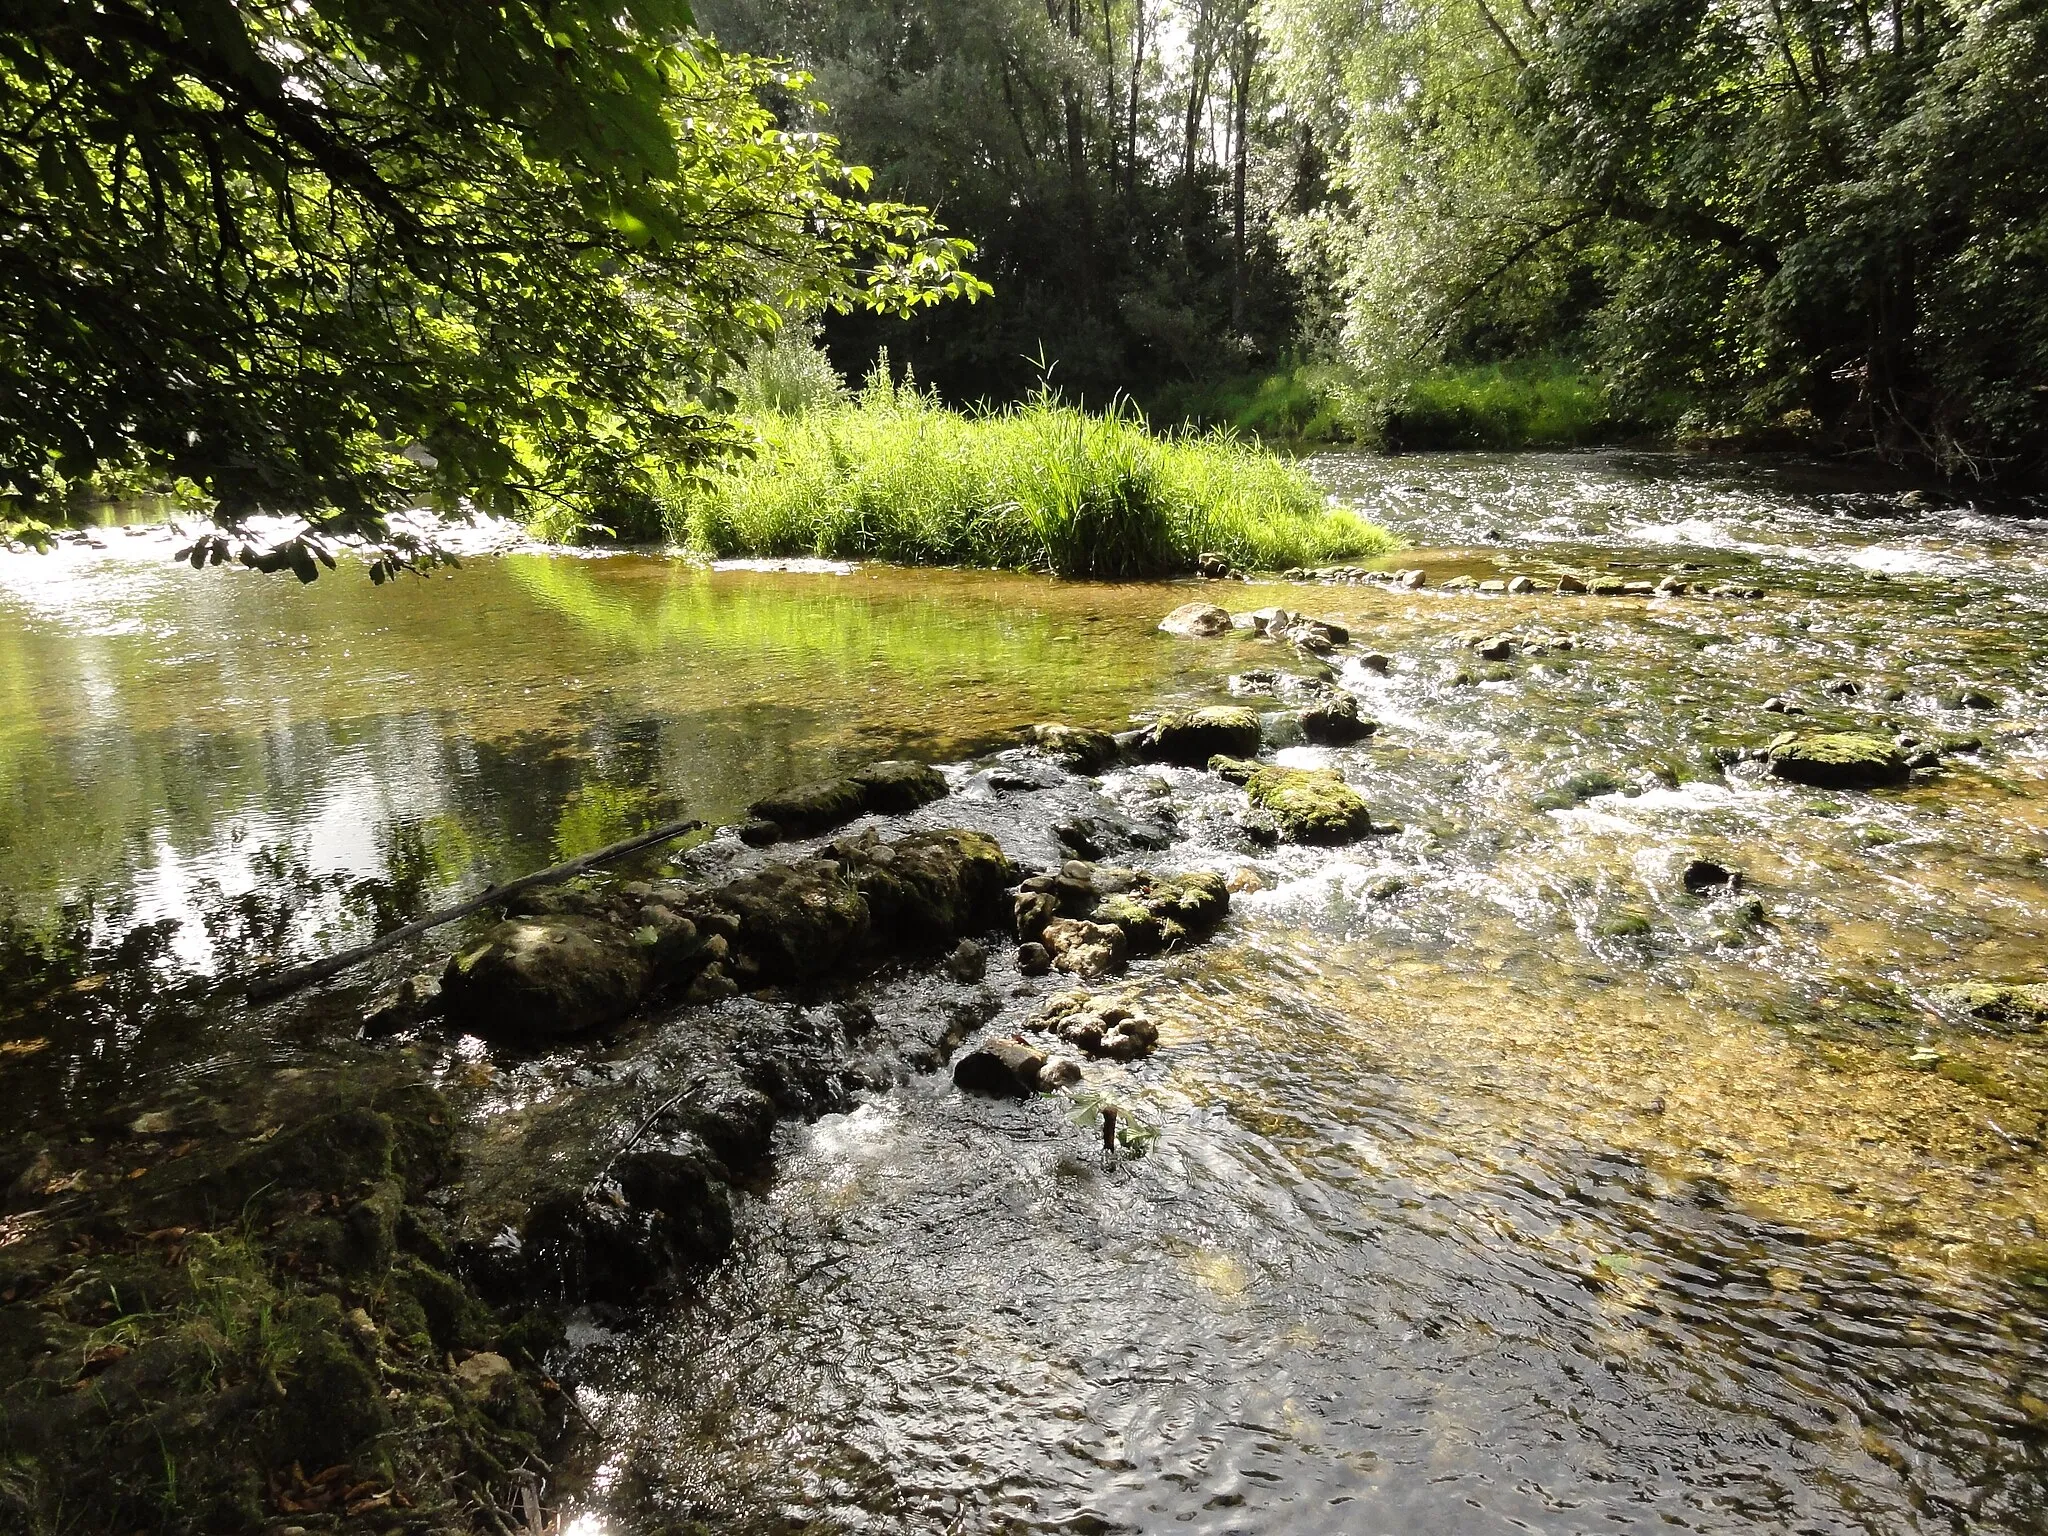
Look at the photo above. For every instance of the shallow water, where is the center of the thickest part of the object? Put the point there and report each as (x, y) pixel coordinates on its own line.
(1499, 1184)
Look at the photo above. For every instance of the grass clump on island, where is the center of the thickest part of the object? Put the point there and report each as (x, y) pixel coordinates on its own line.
(889, 473)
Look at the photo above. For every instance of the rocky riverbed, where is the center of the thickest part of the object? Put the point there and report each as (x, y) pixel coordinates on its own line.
(1431, 1049)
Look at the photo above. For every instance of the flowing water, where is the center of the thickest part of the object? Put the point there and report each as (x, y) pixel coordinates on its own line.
(1498, 1183)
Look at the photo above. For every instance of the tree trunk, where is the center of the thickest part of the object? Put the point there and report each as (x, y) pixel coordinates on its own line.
(1137, 84)
(1077, 167)
(1240, 154)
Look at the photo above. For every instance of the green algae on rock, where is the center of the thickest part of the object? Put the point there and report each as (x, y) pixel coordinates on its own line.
(1836, 760)
(2021, 1007)
(1308, 805)
(1190, 739)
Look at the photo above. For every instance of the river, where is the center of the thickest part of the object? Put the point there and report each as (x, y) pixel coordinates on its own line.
(1499, 1183)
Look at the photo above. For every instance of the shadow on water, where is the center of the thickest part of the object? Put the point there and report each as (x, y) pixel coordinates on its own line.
(1502, 1182)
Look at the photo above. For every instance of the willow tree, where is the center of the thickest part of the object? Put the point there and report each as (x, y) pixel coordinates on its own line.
(341, 256)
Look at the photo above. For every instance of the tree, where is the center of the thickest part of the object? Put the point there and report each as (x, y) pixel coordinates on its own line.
(1088, 147)
(336, 256)
(1802, 210)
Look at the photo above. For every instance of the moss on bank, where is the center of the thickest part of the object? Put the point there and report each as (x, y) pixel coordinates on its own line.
(221, 1319)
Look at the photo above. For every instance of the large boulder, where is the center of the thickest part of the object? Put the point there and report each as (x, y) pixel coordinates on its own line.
(1309, 806)
(533, 980)
(1193, 737)
(1200, 619)
(1836, 760)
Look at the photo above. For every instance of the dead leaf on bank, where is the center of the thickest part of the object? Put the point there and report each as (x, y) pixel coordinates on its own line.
(11, 1049)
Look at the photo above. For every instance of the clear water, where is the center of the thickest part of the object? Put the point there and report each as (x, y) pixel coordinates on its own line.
(1499, 1184)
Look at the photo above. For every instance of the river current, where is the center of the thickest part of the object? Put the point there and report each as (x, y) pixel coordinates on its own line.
(1496, 1182)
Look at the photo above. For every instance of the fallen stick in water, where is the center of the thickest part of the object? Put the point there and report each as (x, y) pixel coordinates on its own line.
(265, 987)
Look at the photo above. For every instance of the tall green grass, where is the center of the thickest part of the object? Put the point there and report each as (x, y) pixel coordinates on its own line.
(891, 474)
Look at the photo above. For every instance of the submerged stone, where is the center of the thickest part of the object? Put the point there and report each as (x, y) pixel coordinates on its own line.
(1309, 805)
(2018, 1006)
(1836, 760)
(1192, 738)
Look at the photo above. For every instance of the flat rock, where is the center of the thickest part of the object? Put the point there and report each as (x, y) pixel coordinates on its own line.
(1203, 620)
(894, 788)
(1836, 760)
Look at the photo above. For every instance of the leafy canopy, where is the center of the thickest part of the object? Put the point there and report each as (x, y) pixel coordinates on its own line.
(335, 257)
(1830, 212)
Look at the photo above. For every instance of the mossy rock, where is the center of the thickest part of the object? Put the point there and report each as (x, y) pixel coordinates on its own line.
(1166, 910)
(1309, 805)
(2020, 1007)
(535, 980)
(1192, 738)
(895, 788)
(1625, 924)
(1836, 760)
(1335, 721)
(1074, 746)
(812, 808)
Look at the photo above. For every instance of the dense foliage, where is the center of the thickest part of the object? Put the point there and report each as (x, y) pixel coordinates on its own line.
(1117, 163)
(338, 255)
(1826, 216)
(890, 473)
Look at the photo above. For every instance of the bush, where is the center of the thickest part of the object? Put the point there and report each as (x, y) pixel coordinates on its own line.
(893, 475)
(1540, 403)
